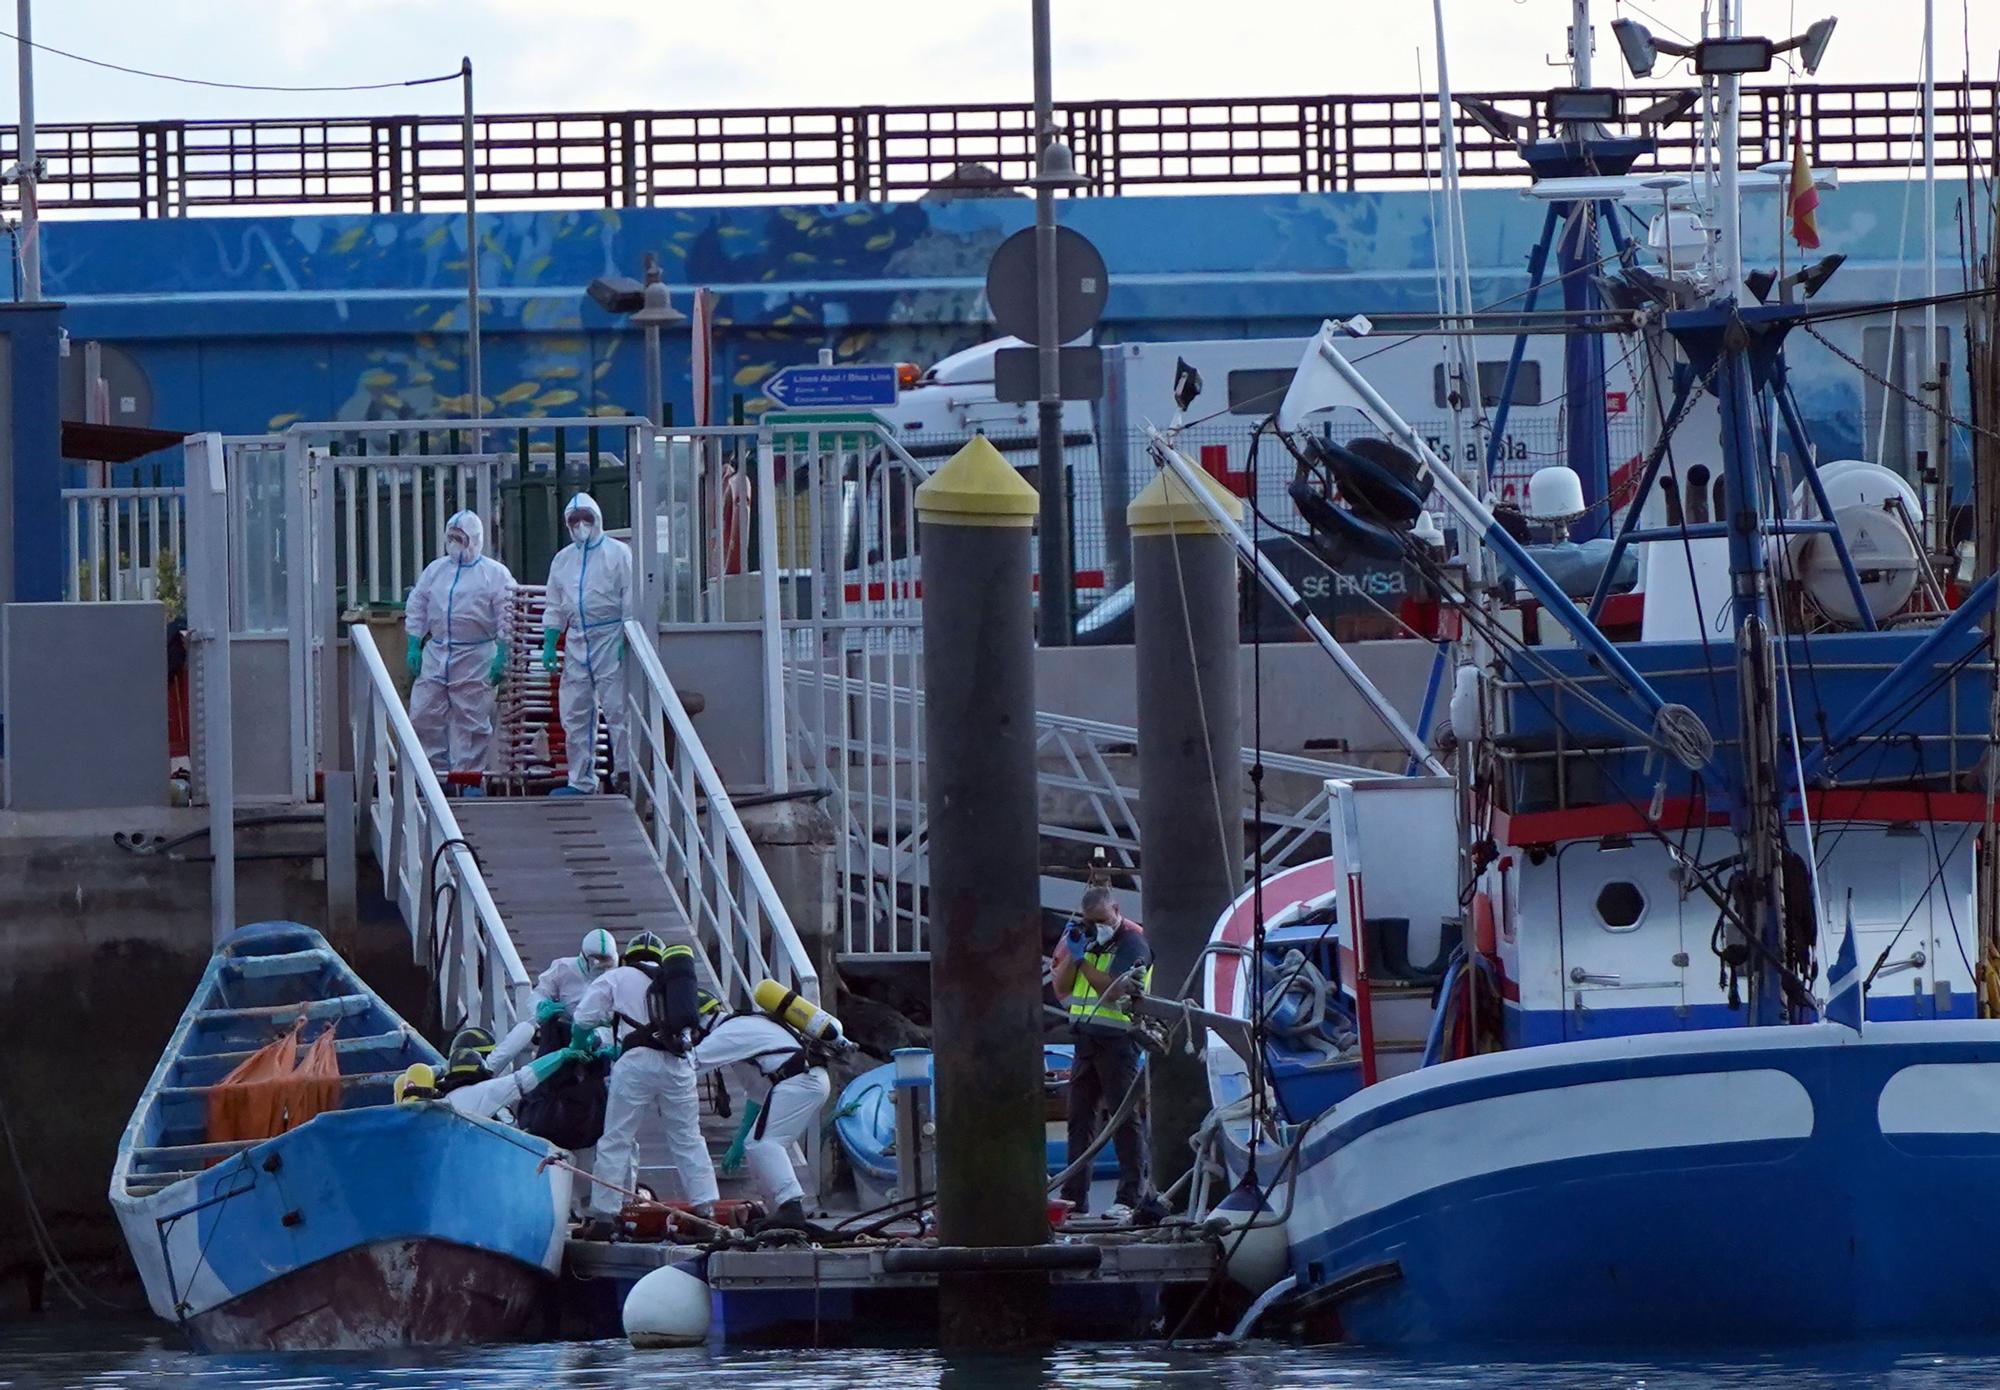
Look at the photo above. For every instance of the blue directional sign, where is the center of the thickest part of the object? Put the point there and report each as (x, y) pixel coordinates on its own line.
(804, 388)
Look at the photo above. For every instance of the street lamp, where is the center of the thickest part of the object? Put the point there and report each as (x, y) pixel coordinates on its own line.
(649, 305)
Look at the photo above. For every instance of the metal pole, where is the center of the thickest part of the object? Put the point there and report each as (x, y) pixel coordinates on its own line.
(985, 891)
(1729, 210)
(1579, 41)
(655, 390)
(1057, 581)
(475, 391)
(31, 217)
(1186, 647)
(1937, 491)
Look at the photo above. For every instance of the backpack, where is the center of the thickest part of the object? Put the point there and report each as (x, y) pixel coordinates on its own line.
(568, 1108)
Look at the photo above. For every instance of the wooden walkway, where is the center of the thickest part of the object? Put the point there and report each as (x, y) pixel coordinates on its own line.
(558, 866)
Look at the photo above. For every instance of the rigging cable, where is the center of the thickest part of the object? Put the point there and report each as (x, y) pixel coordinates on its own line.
(230, 86)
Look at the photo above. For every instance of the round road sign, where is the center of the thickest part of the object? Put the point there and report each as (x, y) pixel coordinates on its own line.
(1081, 285)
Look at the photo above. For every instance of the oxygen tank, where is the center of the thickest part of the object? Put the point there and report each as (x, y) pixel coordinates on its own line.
(801, 1015)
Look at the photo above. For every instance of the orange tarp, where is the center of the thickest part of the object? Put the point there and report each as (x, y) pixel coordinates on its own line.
(274, 1089)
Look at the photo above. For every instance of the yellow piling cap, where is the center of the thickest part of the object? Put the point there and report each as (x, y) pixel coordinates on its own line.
(977, 487)
(1165, 507)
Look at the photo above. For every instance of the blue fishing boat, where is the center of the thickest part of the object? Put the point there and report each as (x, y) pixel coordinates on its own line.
(369, 1224)
(865, 1123)
(1707, 1048)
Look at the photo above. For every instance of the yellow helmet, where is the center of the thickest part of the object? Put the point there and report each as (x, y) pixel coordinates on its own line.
(418, 1082)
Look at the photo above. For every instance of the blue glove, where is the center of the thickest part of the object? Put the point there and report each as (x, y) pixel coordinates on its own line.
(413, 655)
(548, 649)
(1076, 940)
(499, 667)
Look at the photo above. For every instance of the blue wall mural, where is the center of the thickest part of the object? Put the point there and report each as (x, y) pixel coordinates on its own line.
(249, 324)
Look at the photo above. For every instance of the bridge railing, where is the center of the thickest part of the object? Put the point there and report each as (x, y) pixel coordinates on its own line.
(712, 868)
(428, 869)
(1278, 143)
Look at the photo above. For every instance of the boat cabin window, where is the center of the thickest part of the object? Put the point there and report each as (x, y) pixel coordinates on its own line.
(1492, 376)
(1620, 905)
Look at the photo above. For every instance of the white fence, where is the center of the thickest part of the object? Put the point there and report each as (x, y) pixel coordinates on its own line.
(116, 538)
(428, 870)
(711, 865)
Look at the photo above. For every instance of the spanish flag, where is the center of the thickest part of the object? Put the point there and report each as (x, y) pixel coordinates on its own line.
(1804, 199)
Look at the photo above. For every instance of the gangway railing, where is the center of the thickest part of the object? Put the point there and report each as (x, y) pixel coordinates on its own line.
(712, 867)
(117, 538)
(428, 869)
(1087, 779)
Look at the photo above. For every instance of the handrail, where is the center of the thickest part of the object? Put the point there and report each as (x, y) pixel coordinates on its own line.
(712, 867)
(415, 836)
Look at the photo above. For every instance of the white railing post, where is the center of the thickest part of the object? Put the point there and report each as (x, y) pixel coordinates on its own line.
(711, 866)
(479, 972)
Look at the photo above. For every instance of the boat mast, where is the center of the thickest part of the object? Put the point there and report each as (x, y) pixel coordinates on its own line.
(1756, 816)
(1466, 460)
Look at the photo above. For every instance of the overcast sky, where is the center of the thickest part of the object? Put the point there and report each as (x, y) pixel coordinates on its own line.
(556, 55)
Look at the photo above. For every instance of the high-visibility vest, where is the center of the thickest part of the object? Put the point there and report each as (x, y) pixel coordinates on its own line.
(1084, 1005)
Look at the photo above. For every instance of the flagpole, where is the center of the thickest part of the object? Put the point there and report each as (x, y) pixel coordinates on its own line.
(1937, 492)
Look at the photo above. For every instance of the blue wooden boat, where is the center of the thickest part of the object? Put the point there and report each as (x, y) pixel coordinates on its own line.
(365, 1226)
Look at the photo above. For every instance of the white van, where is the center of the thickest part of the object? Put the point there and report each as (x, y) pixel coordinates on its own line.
(1243, 380)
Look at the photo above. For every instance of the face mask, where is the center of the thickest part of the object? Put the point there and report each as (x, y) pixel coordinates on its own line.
(455, 549)
(1105, 931)
(581, 532)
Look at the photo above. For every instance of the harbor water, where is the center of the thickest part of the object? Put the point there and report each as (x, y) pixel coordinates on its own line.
(98, 1355)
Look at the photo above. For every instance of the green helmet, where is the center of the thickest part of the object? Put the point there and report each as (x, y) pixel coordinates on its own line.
(475, 1038)
(645, 946)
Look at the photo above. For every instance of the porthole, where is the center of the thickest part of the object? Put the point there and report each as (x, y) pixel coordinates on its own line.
(1620, 905)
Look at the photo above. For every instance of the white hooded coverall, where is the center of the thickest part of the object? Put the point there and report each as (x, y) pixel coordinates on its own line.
(642, 1079)
(564, 981)
(460, 605)
(753, 1047)
(589, 599)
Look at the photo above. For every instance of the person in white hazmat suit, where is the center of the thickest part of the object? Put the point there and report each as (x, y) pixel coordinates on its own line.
(454, 618)
(589, 599)
(467, 1088)
(783, 1090)
(643, 1078)
(558, 989)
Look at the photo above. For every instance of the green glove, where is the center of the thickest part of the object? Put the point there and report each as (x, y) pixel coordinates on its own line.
(546, 1009)
(732, 1157)
(584, 1040)
(413, 655)
(548, 649)
(499, 666)
(543, 1068)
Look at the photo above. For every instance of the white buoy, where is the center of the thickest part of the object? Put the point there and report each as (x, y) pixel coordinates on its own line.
(1259, 1257)
(667, 1308)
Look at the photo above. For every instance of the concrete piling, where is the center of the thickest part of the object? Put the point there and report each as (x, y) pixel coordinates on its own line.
(1190, 775)
(975, 516)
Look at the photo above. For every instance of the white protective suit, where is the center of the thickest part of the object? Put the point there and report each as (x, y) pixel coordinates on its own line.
(564, 981)
(753, 1047)
(459, 605)
(589, 599)
(642, 1079)
(486, 1099)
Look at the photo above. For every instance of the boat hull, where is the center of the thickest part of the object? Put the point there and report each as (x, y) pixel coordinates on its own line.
(392, 1293)
(1754, 1185)
(385, 1226)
